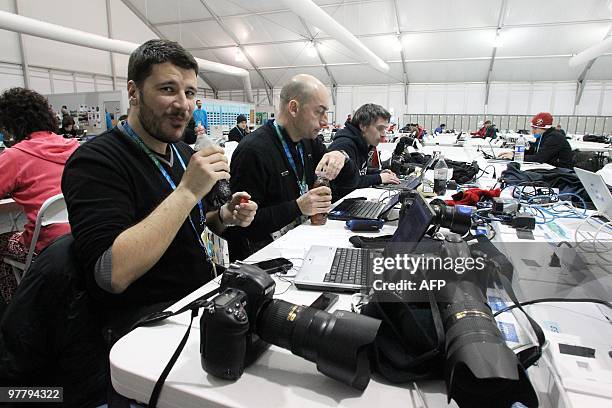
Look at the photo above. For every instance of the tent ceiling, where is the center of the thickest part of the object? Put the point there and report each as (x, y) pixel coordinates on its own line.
(443, 40)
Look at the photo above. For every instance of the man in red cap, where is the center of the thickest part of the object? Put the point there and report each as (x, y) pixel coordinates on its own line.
(550, 146)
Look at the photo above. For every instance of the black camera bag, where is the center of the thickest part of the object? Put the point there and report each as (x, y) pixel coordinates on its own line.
(410, 344)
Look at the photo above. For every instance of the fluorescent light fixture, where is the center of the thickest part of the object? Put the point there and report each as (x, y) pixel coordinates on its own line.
(239, 57)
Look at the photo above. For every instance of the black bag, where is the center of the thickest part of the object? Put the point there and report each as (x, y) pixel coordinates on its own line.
(595, 138)
(410, 344)
(590, 161)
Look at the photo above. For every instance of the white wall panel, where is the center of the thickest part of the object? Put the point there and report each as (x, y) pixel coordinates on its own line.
(417, 95)
(541, 98)
(498, 99)
(62, 83)
(396, 100)
(39, 81)
(474, 98)
(590, 101)
(85, 84)
(10, 76)
(519, 99)
(565, 96)
(607, 101)
(436, 99)
(344, 103)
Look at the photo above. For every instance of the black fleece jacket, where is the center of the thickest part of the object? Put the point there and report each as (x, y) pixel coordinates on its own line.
(260, 167)
(109, 185)
(552, 148)
(355, 173)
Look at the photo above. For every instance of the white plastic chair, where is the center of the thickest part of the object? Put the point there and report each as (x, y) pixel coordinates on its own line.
(52, 211)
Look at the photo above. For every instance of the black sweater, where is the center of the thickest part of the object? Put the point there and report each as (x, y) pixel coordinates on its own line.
(354, 174)
(236, 134)
(110, 184)
(260, 167)
(552, 148)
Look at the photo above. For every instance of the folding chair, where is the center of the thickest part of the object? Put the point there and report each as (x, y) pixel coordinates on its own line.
(53, 211)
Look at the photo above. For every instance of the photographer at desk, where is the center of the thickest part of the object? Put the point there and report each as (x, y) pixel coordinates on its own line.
(355, 141)
(276, 165)
(550, 147)
(139, 198)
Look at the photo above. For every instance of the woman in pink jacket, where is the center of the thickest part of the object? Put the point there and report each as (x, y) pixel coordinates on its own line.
(30, 171)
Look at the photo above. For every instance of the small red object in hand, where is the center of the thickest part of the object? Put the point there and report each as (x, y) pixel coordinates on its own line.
(244, 200)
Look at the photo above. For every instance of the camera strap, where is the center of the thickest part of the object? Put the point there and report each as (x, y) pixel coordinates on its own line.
(159, 316)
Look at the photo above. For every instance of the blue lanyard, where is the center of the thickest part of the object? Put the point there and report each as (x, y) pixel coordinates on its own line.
(538, 146)
(130, 132)
(303, 186)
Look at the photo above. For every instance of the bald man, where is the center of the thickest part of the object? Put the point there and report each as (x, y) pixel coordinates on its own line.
(276, 164)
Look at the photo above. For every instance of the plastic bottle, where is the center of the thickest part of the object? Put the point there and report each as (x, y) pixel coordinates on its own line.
(321, 218)
(440, 176)
(221, 191)
(519, 149)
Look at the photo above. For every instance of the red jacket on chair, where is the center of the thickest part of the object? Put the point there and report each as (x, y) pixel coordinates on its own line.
(31, 171)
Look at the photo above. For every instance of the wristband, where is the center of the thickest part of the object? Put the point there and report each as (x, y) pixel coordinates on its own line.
(221, 218)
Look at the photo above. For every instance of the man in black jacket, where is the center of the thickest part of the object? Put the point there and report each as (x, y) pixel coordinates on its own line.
(139, 198)
(276, 165)
(238, 132)
(356, 140)
(550, 146)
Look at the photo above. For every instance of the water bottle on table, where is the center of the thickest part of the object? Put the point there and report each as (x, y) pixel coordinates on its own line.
(519, 149)
(440, 176)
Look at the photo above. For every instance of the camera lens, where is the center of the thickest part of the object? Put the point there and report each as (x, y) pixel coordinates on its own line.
(458, 219)
(337, 343)
(480, 369)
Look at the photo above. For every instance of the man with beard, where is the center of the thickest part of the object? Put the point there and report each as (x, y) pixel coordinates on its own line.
(139, 198)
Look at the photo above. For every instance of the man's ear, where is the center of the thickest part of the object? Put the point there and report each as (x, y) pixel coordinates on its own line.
(133, 93)
(293, 107)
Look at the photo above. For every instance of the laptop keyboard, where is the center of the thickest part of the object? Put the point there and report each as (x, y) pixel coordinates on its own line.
(364, 209)
(350, 266)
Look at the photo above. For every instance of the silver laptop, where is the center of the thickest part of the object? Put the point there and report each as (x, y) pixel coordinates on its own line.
(346, 269)
(597, 189)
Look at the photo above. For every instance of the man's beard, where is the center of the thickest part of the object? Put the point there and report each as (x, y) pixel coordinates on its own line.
(152, 124)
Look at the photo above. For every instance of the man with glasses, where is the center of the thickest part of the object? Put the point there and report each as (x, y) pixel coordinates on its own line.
(361, 134)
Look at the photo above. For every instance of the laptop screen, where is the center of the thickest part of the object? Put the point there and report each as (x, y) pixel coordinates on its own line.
(414, 223)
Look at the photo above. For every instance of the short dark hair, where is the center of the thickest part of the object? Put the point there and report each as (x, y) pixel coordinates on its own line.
(443, 125)
(241, 118)
(368, 114)
(486, 122)
(23, 111)
(157, 52)
(67, 121)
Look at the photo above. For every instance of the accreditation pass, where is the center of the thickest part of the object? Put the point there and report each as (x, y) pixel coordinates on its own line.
(31, 394)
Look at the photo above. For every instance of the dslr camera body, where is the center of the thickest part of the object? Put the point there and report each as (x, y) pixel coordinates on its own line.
(243, 320)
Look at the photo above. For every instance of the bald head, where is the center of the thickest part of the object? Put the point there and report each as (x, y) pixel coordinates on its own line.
(300, 88)
(304, 102)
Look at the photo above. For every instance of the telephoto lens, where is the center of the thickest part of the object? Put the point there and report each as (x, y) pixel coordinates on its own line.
(480, 370)
(338, 343)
